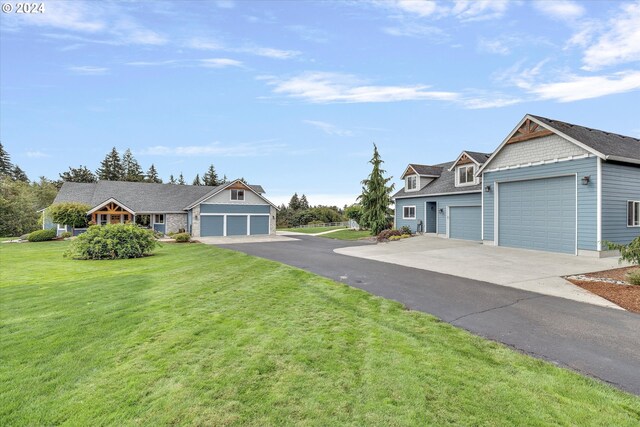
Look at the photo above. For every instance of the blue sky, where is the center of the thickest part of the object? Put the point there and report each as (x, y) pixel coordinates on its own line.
(291, 95)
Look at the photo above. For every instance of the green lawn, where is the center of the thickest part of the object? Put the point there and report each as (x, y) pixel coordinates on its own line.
(311, 230)
(204, 336)
(348, 235)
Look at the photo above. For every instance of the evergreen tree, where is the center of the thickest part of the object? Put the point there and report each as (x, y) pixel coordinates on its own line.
(224, 179)
(79, 174)
(181, 179)
(211, 177)
(172, 180)
(304, 203)
(152, 175)
(131, 167)
(294, 203)
(6, 167)
(196, 180)
(376, 197)
(111, 168)
(18, 174)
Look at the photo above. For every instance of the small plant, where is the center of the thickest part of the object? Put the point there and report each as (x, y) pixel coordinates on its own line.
(66, 235)
(406, 230)
(42, 235)
(406, 236)
(629, 253)
(112, 241)
(386, 234)
(182, 237)
(634, 277)
(394, 238)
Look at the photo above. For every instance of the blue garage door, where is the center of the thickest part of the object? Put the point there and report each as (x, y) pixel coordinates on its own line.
(465, 222)
(236, 225)
(259, 224)
(538, 214)
(212, 225)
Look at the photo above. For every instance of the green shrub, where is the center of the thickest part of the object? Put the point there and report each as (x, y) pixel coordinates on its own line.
(634, 277)
(386, 234)
(66, 235)
(71, 214)
(42, 235)
(182, 237)
(112, 241)
(629, 253)
(406, 230)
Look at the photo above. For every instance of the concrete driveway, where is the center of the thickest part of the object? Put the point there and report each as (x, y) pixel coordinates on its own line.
(233, 240)
(517, 268)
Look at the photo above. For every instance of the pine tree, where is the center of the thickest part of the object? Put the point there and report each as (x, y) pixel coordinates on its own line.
(18, 174)
(376, 197)
(224, 179)
(211, 177)
(79, 174)
(111, 168)
(131, 167)
(181, 179)
(172, 180)
(196, 180)
(6, 167)
(304, 203)
(294, 203)
(152, 175)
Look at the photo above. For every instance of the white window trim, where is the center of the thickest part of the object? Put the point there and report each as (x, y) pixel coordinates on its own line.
(237, 199)
(406, 183)
(466, 184)
(636, 207)
(415, 213)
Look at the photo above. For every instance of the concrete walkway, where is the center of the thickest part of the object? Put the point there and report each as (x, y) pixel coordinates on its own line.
(516, 268)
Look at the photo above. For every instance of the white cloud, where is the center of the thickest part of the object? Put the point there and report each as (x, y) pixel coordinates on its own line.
(328, 128)
(256, 149)
(323, 87)
(310, 34)
(619, 43)
(575, 88)
(152, 63)
(220, 63)
(74, 16)
(200, 43)
(489, 101)
(411, 29)
(496, 46)
(421, 8)
(36, 154)
(226, 4)
(560, 9)
(479, 10)
(89, 70)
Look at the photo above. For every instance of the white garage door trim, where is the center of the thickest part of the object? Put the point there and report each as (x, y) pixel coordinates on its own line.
(224, 221)
(496, 206)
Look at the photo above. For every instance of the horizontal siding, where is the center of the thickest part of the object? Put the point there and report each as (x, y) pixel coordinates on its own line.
(587, 194)
(472, 199)
(232, 209)
(620, 183)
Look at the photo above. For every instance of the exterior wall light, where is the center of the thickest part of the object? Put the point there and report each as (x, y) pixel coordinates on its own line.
(586, 180)
(487, 188)
(441, 210)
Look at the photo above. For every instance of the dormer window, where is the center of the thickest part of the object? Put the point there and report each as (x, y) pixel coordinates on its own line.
(412, 182)
(465, 175)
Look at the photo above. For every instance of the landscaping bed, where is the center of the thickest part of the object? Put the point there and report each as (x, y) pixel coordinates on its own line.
(610, 287)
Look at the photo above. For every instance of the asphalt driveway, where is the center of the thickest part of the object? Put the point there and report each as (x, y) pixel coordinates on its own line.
(597, 341)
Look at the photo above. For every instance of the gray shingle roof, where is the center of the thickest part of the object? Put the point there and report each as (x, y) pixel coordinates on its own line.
(607, 143)
(138, 196)
(479, 157)
(446, 183)
(426, 169)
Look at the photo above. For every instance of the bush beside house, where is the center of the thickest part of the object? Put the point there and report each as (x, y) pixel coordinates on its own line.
(112, 241)
(41, 235)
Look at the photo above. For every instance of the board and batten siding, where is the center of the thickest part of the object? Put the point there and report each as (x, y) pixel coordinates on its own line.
(586, 201)
(468, 199)
(620, 183)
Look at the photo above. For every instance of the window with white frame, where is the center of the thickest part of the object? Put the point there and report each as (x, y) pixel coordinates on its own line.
(237, 194)
(409, 212)
(412, 182)
(465, 175)
(633, 213)
(158, 218)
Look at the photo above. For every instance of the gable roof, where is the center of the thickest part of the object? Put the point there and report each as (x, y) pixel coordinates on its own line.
(423, 170)
(445, 184)
(216, 190)
(606, 145)
(137, 196)
(475, 156)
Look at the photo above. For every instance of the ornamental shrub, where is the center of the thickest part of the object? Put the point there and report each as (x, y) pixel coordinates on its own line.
(634, 277)
(406, 230)
(629, 253)
(112, 241)
(41, 235)
(386, 234)
(66, 235)
(182, 237)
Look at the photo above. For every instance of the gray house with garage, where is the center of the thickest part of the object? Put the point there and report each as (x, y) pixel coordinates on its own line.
(231, 209)
(550, 186)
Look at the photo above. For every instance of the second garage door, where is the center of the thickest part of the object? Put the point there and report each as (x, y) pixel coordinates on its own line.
(465, 222)
(538, 214)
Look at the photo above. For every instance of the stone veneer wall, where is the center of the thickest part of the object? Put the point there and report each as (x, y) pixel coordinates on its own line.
(175, 222)
(195, 221)
(272, 220)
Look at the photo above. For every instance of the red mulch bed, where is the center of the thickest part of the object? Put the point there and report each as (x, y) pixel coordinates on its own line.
(626, 296)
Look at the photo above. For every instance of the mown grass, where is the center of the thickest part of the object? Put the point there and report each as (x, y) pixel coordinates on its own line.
(311, 230)
(348, 235)
(199, 335)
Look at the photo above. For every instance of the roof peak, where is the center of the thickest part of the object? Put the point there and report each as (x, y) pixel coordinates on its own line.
(573, 125)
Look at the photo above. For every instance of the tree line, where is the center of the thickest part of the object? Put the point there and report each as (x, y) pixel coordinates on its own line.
(300, 212)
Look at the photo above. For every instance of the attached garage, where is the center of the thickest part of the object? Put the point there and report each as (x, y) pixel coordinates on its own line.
(465, 222)
(538, 214)
(212, 225)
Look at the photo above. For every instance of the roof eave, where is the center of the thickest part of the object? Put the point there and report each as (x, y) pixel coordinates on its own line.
(623, 159)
